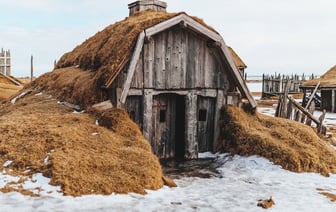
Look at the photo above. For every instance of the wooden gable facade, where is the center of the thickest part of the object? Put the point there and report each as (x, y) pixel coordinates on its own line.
(181, 73)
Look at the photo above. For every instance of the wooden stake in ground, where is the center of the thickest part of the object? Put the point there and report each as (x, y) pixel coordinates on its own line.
(31, 68)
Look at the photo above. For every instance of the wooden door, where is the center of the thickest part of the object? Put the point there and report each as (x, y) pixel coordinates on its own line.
(164, 114)
(168, 140)
(205, 123)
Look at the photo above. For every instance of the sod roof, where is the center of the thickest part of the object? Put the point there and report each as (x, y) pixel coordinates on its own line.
(327, 79)
(81, 73)
(238, 61)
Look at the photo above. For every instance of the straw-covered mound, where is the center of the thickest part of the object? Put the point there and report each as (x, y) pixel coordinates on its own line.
(42, 136)
(91, 64)
(7, 88)
(292, 145)
(328, 78)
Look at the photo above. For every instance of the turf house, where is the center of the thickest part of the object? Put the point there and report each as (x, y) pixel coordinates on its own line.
(170, 71)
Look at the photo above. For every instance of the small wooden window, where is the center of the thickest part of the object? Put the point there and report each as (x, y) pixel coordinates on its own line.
(202, 115)
(162, 116)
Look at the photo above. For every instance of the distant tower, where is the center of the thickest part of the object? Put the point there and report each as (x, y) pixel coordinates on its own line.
(5, 62)
(8, 63)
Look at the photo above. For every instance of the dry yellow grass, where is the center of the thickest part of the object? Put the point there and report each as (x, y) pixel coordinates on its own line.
(8, 90)
(98, 58)
(292, 145)
(328, 78)
(83, 158)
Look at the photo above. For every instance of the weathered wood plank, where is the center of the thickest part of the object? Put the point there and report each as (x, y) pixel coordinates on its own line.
(148, 63)
(131, 68)
(240, 81)
(311, 110)
(333, 99)
(283, 111)
(320, 128)
(189, 22)
(191, 128)
(312, 95)
(303, 110)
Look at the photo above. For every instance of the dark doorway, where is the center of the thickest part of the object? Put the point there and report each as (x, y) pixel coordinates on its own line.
(180, 128)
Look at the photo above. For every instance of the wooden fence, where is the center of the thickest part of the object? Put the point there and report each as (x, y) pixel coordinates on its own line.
(290, 109)
(273, 85)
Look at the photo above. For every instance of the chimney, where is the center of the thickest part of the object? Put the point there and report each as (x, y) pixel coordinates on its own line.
(143, 5)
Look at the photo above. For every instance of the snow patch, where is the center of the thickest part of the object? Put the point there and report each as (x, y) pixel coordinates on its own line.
(243, 181)
(7, 163)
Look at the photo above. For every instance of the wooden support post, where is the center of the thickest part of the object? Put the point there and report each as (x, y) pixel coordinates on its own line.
(289, 111)
(284, 107)
(263, 86)
(322, 130)
(333, 100)
(304, 97)
(31, 68)
(147, 114)
(191, 145)
(311, 110)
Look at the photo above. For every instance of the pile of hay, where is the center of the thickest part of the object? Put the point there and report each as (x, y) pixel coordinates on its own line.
(41, 136)
(7, 88)
(91, 64)
(292, 145)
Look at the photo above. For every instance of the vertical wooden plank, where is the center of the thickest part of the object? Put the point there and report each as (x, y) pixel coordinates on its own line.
(133, 106)
(170, 126)
(208, 69)
(159, 65)
(311, 110)
(289, 110)
(183, 58)
(168, 59)
(333, 109)
(147, 114)
(137, 80)
(175, 69)
(149, 50)
(219, 104)
(284, 107)
(191, 128)
(205, 124)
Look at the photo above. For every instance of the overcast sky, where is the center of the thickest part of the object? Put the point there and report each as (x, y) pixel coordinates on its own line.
(283, 36)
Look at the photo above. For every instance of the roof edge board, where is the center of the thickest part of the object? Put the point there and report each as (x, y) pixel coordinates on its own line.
(132, 66)
(190, 23)
(241, 83)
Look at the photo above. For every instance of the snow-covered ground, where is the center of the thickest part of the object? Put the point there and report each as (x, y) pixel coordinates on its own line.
(242, 182)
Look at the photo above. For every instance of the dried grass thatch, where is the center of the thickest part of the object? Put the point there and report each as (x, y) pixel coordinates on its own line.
(237, 60)
(7, 87)
(292, 145)
(100, 57)
(42, 136)
(327, 79)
